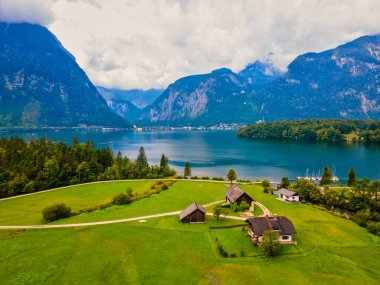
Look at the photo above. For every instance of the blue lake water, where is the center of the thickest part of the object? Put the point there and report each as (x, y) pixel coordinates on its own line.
(212, 153)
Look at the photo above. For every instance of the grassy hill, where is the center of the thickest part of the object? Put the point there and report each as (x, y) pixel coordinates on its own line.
(331, 250)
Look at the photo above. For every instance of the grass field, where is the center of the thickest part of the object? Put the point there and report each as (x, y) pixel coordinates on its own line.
(164, 251)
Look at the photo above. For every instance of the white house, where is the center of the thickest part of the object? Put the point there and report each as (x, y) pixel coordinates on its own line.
(288, 195)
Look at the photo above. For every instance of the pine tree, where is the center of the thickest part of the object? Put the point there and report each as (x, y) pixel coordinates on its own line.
(187, 172)
(231, 175)
(142, 161)
(326, 176)
(285, 182)
(351, 177)
(164, 163)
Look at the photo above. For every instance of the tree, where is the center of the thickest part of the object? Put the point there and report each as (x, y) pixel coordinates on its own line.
(270, 244)
(142, 161)
(285, 182)
(219, 210)
(231, 175)
(326, 176)
(351, 177)
(56, 212)
(164, 162)
(83, 171)
(187, 171)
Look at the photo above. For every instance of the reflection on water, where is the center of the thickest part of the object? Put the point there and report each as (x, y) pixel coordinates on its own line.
(214, 152)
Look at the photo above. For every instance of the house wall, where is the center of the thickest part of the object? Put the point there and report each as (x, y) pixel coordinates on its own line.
(245, 198)
(195, 217)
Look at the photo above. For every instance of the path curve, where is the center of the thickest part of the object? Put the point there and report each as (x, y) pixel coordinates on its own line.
(111, 221)
(266, 211)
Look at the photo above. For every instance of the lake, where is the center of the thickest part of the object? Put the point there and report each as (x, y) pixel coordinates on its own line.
(212, 153)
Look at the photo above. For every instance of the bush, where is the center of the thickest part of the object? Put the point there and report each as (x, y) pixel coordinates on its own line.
(122, 199)
(205, 178)
(243, 206)
(179, 177)
(233, 254)
(56, 212)
(266, 190)
(242, 253)
(164, 187)
(194, 177)
(218, 178)
(373, 228)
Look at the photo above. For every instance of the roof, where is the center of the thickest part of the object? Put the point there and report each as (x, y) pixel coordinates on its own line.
(191, 209)
(287, 192)
(281, 224)
(234, 193)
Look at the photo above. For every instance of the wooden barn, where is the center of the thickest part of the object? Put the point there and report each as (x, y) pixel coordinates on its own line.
(236, 195)
(195, 213)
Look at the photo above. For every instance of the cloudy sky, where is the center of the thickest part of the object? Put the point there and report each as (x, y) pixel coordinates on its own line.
(151, 43)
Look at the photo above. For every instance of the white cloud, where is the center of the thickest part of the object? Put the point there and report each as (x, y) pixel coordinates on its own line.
(30, 11)
(151, 43)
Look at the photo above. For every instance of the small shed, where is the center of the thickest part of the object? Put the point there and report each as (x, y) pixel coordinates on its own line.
(235, 195)
(195, 213)
(288, 195)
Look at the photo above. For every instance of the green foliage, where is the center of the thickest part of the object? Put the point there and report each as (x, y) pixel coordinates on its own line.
(285, 182)
(270, 243)
(231, 175)
(324, 130)
(327, 176)
(123, 198)
(56, 212)
(37, 165)
(351, 177)
(142, 161)
(187, 170)
(265, 183)
(219, 210)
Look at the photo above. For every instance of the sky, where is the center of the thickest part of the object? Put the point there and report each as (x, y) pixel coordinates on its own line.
(151, 43)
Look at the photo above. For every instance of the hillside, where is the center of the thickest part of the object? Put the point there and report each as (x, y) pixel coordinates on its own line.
(218, 97)
(42, 85)
(331, 250)
(323, 130)
(339, 83)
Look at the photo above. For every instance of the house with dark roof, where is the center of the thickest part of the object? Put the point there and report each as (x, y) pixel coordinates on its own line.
(195, 213)
(288, 195)
(235, 195)
(282, 225)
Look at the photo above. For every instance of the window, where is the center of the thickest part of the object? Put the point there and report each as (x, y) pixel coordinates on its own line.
(285, 237)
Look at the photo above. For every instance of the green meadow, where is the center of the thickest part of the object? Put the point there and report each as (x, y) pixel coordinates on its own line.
(330, 250)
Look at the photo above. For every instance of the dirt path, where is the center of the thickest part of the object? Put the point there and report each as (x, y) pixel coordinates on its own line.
(266, 211)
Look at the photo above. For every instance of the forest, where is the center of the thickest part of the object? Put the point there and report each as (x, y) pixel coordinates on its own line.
(27, 167)
(316, 130)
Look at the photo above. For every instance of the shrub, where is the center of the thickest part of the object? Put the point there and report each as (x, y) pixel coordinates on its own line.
(266, 190)
(233, 254)
(56, 212)
(194, 177)
(373, 227)
(242, 253)
(179, 177)
(205, 178)
(218, 178)
(153, 187)
(159, 182)
(243, 206)
(164, 187)
(122, 199)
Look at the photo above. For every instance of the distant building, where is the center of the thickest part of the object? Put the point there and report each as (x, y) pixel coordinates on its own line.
(288, 195)
(236, 195)
(282, 225)
(195, 213)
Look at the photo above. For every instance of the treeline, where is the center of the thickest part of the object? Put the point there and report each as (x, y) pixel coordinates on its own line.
(27, 167)
(314, 130)
(359, 202)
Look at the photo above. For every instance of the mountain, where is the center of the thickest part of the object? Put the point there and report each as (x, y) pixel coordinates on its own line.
(124, 108)
(218, 97)
(139, 98)
(260, 73)
(42, 85)
(343, 82)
